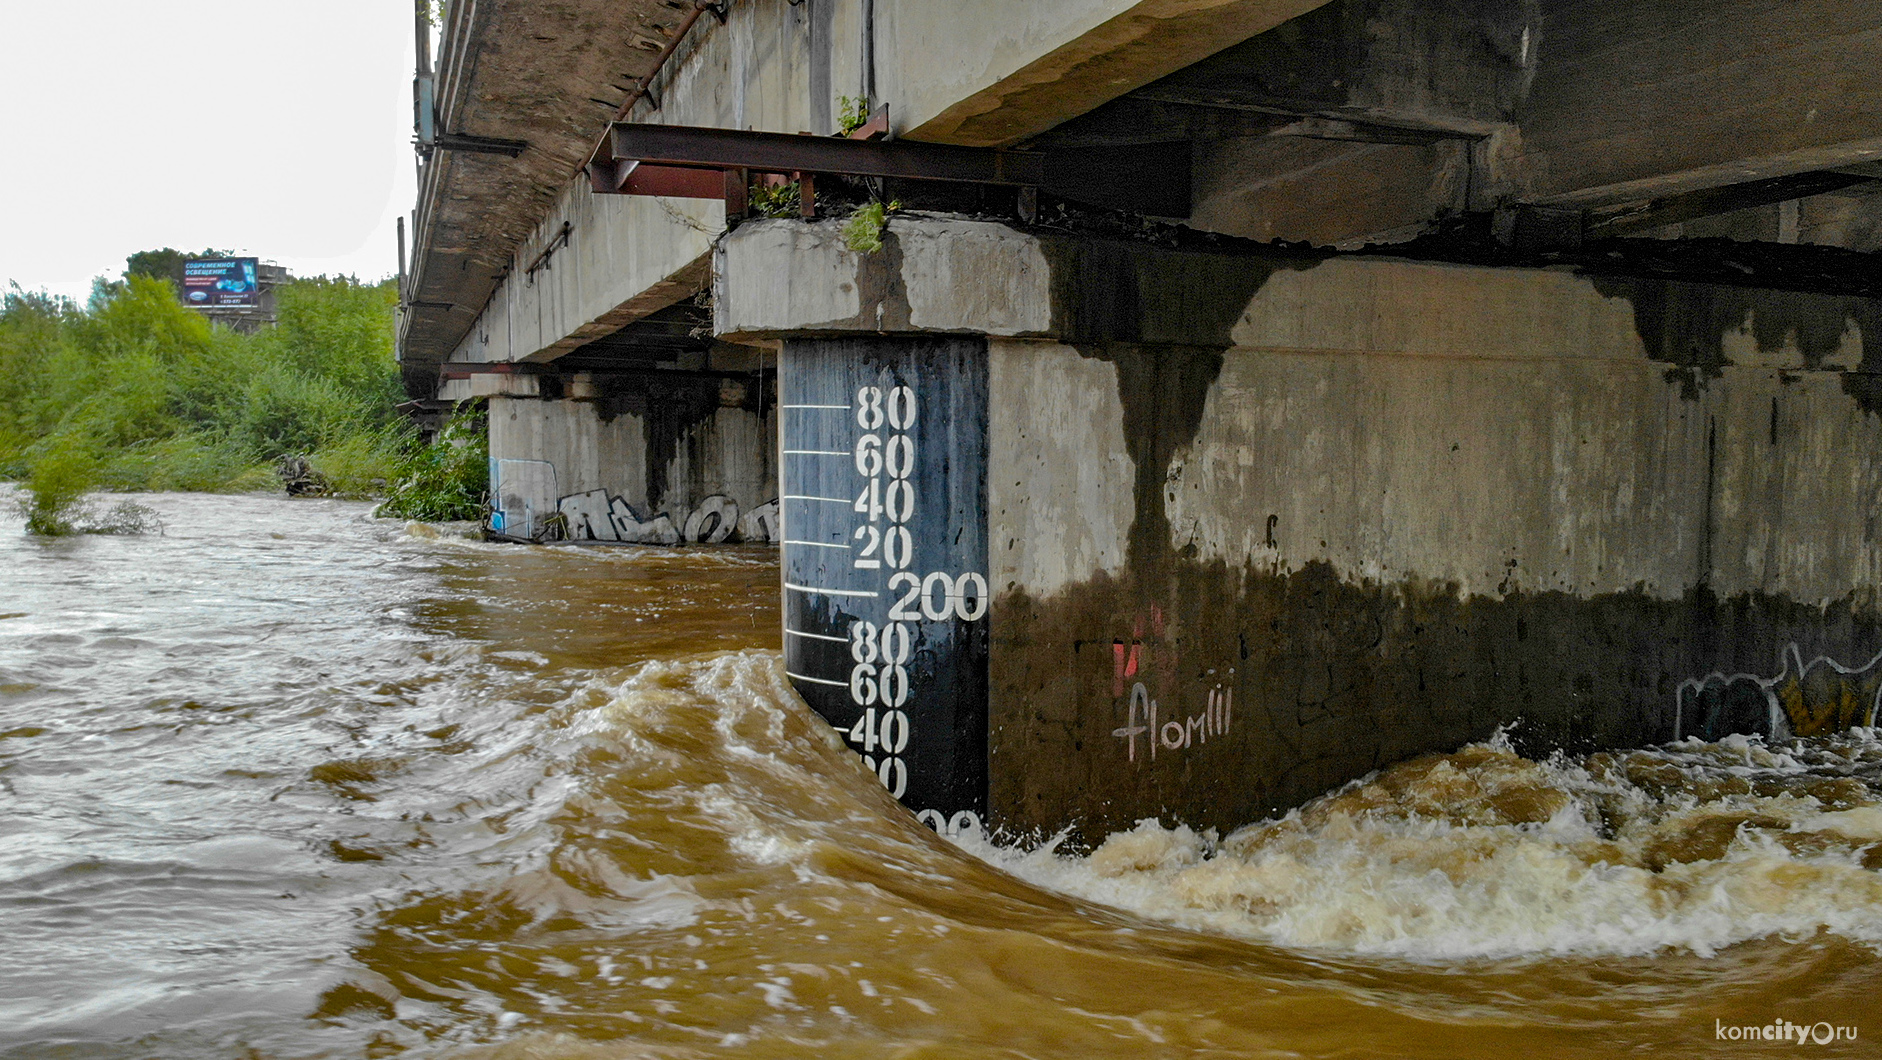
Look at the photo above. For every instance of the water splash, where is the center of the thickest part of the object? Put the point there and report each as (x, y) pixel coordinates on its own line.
(1485, 854)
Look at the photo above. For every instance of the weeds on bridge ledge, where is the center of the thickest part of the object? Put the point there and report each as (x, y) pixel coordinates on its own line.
(776, 200)
(862, 233)
(852, 113)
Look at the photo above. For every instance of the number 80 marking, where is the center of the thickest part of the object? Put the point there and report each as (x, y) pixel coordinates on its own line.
(870, 413)
(892, 644)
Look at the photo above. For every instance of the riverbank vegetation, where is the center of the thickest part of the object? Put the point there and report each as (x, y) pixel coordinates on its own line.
(135, 391)
(446, 480)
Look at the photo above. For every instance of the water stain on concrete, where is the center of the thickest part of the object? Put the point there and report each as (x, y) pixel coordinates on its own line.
(670, 412)
(1686, 324)
(1112, 301)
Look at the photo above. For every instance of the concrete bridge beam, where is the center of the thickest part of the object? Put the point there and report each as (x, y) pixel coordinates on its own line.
(1642, 100)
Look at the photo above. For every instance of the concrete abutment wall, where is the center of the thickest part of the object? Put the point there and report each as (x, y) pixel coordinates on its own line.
(1256, 526)
(667, 470)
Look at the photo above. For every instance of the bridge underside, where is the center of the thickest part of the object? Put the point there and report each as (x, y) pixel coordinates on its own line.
(1245, 395)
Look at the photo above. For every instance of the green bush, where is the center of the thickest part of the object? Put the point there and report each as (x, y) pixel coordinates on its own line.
(362, 463)
(448, 479)
(57, 497)
(194, 462)
(56, 489)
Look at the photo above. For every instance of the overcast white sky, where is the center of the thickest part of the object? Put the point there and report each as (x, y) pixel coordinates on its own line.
(279, 128)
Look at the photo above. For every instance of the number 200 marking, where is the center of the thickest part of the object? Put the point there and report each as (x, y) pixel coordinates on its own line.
(964, 597)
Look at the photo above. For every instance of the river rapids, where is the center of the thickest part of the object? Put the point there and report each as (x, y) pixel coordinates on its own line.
(288, 781)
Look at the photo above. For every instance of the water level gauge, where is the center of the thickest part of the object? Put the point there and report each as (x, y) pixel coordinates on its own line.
(886, 596)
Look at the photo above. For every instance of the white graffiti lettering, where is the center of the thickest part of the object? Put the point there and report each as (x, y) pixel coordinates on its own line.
(1141, 718)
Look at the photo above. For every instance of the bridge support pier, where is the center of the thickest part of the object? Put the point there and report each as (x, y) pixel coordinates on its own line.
(1250, 526)
(691, 462)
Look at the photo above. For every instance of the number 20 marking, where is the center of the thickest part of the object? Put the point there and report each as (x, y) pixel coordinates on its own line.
(897, 547)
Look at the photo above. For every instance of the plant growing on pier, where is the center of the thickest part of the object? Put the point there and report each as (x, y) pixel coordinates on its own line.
(777, 200)
(862, 233)
(852, 113)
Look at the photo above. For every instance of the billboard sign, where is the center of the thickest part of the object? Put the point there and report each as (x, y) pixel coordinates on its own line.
(221, 283)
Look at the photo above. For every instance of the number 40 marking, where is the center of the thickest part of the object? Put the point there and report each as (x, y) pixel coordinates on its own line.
(888, 733)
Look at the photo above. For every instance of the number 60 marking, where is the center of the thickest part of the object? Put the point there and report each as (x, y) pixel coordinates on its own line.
(939, 597)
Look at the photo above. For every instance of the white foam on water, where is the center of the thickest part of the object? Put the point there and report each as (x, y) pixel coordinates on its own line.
(1484, 854)
(1478, 854)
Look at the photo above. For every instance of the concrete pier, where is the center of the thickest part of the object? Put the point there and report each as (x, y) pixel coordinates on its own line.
(1258, 524)
(886, 596)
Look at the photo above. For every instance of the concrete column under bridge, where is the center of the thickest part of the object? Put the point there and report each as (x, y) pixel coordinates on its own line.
(1255, 525)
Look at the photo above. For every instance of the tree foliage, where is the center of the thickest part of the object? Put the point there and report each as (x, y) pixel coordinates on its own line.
(165, 264)
(143, 393)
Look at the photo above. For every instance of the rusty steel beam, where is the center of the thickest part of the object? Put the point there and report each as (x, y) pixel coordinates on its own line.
(633, 178)
(766, 152)
(1145, 178)
(876, 128)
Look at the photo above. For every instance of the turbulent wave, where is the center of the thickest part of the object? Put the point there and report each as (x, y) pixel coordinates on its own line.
(1483, 853)
(1477, 854)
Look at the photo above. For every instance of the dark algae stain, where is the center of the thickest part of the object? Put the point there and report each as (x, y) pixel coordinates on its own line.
(1167, 389)
(1326, 680)
(882, 291)
(1864, 385)
(669, 412)
(1164, 318)
(1685, 325)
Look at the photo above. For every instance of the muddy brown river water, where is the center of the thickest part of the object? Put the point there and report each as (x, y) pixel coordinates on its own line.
(292, 782)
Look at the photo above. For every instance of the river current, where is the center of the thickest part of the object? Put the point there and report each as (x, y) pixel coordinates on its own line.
(288, 781)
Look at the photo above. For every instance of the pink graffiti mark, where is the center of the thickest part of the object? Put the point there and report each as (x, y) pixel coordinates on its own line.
(1127, 660)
